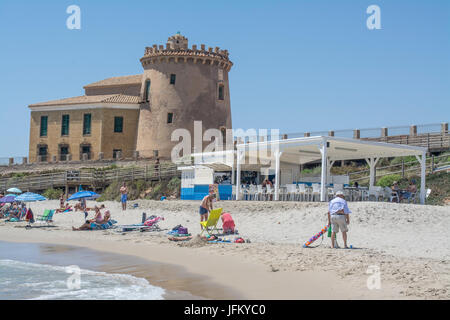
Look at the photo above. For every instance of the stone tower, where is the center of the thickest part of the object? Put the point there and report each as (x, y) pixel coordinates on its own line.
(181, 85)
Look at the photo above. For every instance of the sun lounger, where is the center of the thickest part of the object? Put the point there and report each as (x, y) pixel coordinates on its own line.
(46, 217)
(211, 224)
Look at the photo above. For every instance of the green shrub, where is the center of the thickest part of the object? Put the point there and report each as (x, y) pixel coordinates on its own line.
(174, 184)
(388, 181)
(52, 194)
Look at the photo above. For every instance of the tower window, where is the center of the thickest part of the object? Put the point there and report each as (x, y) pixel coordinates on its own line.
(44, 126)
(173, 78)
(221, 92)
(147, 91)
(118, 124)
(170, 118)
(65, 125)
(87, 124)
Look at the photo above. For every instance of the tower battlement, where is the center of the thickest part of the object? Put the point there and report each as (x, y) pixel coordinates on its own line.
(177, 50)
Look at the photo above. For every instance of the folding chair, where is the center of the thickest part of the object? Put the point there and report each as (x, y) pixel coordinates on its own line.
(211, 224)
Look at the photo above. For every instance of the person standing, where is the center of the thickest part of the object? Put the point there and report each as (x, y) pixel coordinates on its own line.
(338, 218)
(206, 206)
(124, 196)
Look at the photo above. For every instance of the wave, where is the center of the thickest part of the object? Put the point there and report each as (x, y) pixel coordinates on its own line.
(23, 280)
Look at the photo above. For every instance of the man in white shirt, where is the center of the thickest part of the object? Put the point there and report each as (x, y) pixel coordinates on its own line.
(338, 217)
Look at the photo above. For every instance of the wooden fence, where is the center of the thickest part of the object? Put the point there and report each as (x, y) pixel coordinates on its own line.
(95, 178)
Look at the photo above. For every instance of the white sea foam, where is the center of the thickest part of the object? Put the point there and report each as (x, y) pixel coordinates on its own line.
(21, 280)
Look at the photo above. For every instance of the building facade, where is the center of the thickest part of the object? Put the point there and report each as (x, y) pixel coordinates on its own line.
(119, 116)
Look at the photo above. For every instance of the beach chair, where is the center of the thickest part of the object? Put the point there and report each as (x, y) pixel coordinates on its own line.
(303, 192)
(210, 225)
(315, 191)
(291, 192)
(46, 218)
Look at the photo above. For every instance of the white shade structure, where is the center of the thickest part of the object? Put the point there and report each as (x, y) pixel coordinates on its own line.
(325, 149)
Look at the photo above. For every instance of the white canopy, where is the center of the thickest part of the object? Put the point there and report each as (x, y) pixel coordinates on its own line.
(309, 149)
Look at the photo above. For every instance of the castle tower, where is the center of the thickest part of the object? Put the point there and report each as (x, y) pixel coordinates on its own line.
(180, 86)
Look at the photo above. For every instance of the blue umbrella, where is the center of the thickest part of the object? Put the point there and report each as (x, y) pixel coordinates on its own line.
(14, 190)
(8, 199)
(84, 195)
(30, 197)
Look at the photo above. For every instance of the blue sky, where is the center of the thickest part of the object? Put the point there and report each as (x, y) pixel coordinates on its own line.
(298, 65)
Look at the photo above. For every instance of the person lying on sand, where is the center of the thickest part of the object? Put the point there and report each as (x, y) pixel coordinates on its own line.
(338, 218)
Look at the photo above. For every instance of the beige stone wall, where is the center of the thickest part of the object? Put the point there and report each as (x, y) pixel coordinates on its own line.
(101, 139)
(194, 97)
(125, 141)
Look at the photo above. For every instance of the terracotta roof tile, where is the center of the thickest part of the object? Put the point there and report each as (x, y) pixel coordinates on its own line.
(110, 98)
(115, 81)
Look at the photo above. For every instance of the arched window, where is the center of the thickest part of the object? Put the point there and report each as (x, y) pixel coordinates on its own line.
(147, 90)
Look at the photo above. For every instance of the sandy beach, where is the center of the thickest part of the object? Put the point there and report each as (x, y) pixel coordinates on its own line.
(409, 244)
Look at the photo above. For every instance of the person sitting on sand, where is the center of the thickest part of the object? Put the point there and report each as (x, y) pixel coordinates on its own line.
(338, 218)
(206, 206)
(98, 215)
(106, 218)
(85, 226)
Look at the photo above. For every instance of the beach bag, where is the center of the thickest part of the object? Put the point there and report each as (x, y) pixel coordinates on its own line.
(182, 230)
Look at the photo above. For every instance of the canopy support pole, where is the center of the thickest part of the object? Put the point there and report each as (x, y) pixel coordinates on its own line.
(277, 175)
(238, 174)
(423, 174)
(372, 162)
(323, 179)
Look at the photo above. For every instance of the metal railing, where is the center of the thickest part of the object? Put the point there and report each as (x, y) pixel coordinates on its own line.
(403, 169)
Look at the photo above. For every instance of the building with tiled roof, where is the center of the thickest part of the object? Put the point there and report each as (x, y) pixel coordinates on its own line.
(136, 114)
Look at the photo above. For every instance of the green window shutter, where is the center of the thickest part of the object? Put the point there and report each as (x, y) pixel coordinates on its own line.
(118, 124)
(65, 125)
(173, 78)
(44, 126)
(87, 124)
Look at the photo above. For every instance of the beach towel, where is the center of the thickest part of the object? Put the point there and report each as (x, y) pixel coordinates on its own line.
(227, 223)
(110, 224)
(29, 216)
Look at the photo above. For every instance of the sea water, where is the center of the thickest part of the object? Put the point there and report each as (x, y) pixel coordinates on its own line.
(23, 280)
(33, 271)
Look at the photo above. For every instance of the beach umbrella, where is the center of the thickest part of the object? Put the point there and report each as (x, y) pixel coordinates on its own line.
(14, 190)
(8, 199)
(84, 195)
(30, 197)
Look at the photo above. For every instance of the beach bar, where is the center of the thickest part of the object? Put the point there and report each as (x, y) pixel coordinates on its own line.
(282, 159)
